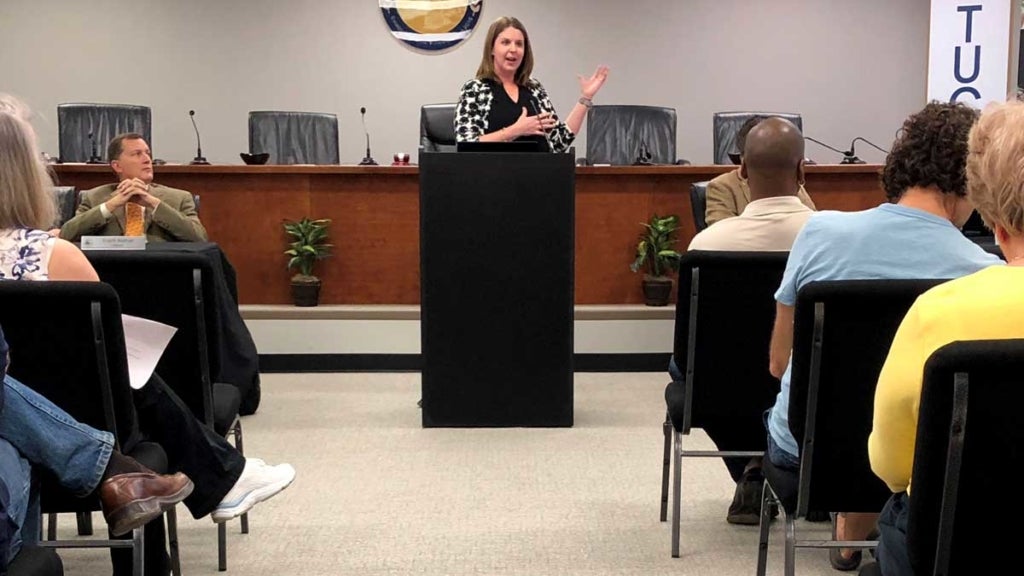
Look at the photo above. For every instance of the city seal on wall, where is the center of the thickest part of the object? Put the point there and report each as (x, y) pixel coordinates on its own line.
(431, 24)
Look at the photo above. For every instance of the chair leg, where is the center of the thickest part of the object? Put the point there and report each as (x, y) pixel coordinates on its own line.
(51, 526)
(767, 498)
(84, 523)
(677, 489)
(138, 551)
(172, 541)
(667, 429)
(222, 546)
(240, 446)
(790, 567)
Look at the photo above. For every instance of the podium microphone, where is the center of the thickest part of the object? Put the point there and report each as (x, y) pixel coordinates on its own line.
(198, 160)
(368, 161)
(848, 156)
(94, 157)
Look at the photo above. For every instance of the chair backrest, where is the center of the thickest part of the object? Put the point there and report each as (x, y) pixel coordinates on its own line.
(841, 336)
(66, 198)
(75, 121)
(294, 137)
(615, 134)
(174, 288)
(727, 124)
(67, 343)
(969, 438)
(437, 127)
(724, 316)
(699, 204)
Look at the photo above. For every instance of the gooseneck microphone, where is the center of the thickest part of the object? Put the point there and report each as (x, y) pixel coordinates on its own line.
(94, 156)
(848, 156)
(199, 160)
(869, 143)
(368, 161)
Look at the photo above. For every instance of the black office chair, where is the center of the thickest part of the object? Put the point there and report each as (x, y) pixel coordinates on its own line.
(35, 561)
(842, 331)
(66, 198)
(76, 121)
(699, 204)
(724, 314)
(176, 288)
(727, 124)
(67, 343)
(968, 437)
(294, 137)
(622, 135)
(437, 127)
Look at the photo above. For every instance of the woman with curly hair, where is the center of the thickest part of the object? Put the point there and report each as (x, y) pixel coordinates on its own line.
(982, 306)
(915, 235)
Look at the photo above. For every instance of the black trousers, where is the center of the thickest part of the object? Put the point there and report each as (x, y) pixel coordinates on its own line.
(205, 457)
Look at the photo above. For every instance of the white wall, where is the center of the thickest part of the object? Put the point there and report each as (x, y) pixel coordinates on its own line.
(852, 68)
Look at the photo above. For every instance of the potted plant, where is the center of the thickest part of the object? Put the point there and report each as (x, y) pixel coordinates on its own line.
(657, 256)
(308, 244)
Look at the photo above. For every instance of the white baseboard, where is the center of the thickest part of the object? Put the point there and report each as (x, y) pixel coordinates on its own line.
(396, 329)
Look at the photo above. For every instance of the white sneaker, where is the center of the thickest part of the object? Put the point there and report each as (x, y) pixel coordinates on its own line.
(257, 483)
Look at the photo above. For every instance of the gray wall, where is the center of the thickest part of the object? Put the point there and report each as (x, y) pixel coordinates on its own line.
(852, 68)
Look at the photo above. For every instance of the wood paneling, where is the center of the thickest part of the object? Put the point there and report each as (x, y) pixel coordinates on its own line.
(375, 221)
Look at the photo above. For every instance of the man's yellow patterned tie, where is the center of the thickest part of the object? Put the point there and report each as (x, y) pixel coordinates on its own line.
(133, 220)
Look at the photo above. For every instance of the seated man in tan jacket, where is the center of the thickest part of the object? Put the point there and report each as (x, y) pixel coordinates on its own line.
(729, 194)
(135, 206)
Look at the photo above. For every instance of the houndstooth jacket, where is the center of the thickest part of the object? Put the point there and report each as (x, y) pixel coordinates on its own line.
(475, 105)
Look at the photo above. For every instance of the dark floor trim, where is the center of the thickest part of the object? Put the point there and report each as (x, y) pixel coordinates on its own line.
(622, 362)
(298, 363)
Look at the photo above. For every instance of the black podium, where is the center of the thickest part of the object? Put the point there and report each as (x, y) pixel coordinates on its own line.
(496, 281)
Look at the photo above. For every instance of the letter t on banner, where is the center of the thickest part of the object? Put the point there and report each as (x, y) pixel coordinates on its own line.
(972, 52)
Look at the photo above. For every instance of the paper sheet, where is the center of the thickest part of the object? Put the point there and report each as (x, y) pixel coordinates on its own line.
(144, 341)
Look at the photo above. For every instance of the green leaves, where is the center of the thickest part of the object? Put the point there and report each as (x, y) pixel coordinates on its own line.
(656, 246)
(309, 243)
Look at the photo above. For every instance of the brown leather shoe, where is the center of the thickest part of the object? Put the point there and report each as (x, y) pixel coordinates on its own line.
(131, 500)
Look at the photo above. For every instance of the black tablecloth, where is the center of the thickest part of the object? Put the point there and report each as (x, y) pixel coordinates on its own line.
(239, 360)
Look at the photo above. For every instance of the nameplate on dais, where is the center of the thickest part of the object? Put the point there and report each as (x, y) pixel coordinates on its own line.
(113, 242)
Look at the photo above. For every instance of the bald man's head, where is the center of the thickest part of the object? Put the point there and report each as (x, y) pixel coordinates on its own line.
(773, 159)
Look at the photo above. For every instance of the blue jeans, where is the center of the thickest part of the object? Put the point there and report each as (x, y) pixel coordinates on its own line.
(49, 438)
(23, 501)
(776, 454)
(893, 557)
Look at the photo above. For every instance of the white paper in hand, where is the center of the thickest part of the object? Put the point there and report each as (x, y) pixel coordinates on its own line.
(144, 341)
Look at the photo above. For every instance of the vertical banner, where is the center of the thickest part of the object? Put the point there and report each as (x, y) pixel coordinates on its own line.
(969, 51)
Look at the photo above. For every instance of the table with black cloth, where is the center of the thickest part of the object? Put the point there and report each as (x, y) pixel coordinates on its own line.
(239, 360)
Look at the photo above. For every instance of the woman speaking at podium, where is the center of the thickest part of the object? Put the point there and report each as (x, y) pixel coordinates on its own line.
(503, 103)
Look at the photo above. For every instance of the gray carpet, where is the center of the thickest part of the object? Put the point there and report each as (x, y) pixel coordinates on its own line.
(376, 494)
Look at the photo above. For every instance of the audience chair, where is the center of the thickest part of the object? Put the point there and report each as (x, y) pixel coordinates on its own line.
(727, 124)
(724, 318)
(35, 561)
(77, 121)
(66, 198)
(437, 128)
(67, 343)
(841, 336)
(969, 439)
(618, 134)
(294, 137)
(176, 288)
(699, 204)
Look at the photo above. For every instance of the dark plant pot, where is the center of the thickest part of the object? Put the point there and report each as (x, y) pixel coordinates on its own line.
(657, 290)
(306, 293)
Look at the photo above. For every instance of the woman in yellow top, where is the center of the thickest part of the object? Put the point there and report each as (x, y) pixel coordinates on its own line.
(985, 305)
